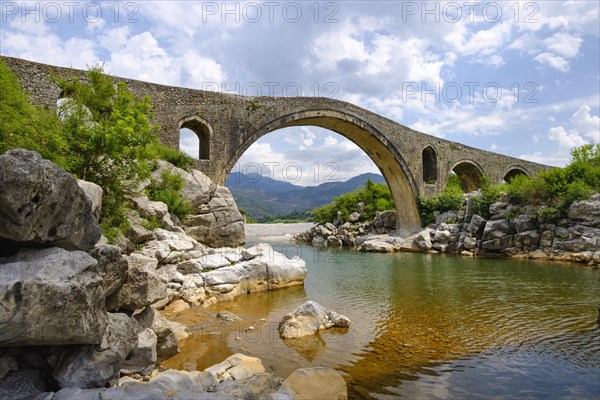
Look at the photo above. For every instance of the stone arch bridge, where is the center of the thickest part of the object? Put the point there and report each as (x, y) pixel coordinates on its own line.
(227, 125)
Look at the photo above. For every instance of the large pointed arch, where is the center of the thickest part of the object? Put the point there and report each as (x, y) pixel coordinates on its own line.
(389, 161)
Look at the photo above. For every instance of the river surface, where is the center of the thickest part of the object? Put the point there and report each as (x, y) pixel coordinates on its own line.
(424, 326)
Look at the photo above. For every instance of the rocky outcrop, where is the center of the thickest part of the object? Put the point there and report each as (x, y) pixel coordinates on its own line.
(94, 193)
(51, 297)
(214, 220)
(42, 205)
(266, 270)
(166, 340)
(513, 231)
(219, 223)
(56, 299)
(308, 319)
(141, 288)
(111, 267)
(97, 366)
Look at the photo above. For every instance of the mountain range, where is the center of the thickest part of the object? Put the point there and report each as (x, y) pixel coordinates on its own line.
(260, 196)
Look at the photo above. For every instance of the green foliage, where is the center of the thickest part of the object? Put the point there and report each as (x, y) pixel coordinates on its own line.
(114, 221)
(157, 151)
(451, 199)
(100, 134)
(374, 196)
(548, 214)
(490, 194)
(168, 190)
(558, 188)
(291, 218)
(108, 130)
(25, 126)
(151, 224)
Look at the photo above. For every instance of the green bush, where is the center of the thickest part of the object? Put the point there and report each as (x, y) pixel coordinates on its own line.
(374, 196)
(451, 198)
(558, 188)
(25, 126)
(490, 194)
(168, 190)
(100, 134)
(157, 151)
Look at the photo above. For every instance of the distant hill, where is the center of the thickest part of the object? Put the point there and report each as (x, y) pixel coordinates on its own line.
(262, 197)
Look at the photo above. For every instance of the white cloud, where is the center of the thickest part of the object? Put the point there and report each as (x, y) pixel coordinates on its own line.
(553, 61)
(486, 42)
(587, 124)
(564, 138)
(564, 44)
(330, 141)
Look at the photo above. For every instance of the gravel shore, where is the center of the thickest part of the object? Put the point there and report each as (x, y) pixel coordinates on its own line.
(276, 231)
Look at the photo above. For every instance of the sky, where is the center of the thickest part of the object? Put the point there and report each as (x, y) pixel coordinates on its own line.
(519, 78)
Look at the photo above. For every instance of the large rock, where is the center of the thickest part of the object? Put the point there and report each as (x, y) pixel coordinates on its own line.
(308, 319)
(111, 266)
(315, 383)
(131, 391)
(523, 223)
(198, 188)
(221, 225)
(586, 212)
(527, 238)
(142, 287)
(476, 225)
(423, 239)
(151, 209)
(23, 384)
(97, 366)
(256, 387)
(143, 358)
(496, 229)
(267, 270)
(94, 194)
(377, 246)
(497, 244)
(50, 296)
(184, 385)
(166, 340)
(43, 205)
(236, 367)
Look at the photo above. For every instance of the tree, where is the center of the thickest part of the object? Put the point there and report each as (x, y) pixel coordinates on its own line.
(23, 125)
(108, 130)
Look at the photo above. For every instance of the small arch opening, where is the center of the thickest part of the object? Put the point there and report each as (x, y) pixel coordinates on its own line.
(513, 173)
(430, 170)
(194, 137)
(470, 176)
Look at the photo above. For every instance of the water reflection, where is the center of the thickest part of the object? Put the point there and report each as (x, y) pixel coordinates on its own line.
(423, 326)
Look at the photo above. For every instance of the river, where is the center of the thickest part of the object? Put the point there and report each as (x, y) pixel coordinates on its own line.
(424, 326)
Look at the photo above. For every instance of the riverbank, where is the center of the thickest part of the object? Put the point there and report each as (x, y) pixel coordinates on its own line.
(279, 232)
(510, 231)
(80, 315)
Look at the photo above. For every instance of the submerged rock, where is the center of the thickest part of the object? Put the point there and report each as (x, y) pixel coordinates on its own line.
(236, 367)
(314, 383)
(308, 319)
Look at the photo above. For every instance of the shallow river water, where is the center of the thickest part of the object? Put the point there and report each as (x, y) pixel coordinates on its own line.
(424, 326)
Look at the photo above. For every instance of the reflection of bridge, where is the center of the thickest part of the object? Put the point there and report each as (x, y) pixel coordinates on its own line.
(227, 125)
